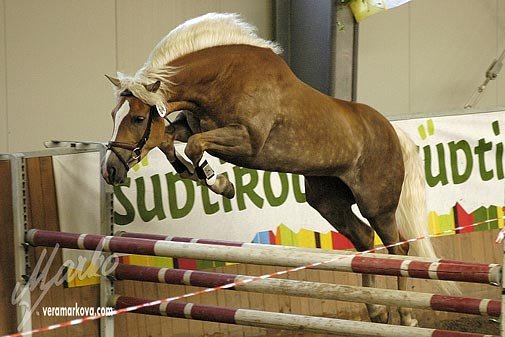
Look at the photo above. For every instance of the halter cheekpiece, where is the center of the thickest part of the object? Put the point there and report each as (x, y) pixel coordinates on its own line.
(135, 148)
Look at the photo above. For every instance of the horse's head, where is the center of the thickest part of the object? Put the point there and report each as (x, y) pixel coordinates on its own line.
(138, 128)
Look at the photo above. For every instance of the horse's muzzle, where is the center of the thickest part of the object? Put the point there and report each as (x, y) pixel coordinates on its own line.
(113, 175)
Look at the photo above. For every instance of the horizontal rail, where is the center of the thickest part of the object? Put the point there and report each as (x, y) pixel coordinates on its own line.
(489, 274)
(284, 248)
(276, 320)
(326, 291)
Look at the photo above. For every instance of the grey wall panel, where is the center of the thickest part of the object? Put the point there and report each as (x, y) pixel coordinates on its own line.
(384, 62)
(310, 42)
(57, 53)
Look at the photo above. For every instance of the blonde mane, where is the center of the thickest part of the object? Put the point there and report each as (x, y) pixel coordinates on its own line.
(209, 30)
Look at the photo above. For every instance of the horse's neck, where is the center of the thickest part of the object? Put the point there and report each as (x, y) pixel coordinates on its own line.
(221, 69)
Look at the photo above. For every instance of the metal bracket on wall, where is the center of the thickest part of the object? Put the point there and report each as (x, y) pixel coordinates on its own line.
(491, 74)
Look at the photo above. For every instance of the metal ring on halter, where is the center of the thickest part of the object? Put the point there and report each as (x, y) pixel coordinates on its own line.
(136, 153)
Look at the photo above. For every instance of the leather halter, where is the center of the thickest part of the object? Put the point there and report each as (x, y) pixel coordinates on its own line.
(137, 147)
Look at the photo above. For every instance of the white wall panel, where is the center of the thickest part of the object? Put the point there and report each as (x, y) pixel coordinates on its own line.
(429, 56)
(258, 12)
(452, 44)
(500, 85)
(57, 53)
(3, 88)
(140, 27)
(384, 62)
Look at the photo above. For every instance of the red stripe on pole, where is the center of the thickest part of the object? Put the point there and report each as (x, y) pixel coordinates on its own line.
(141, 236)
(49, 239)
(137, 273)
(367, 265)
(210, 280)
(132, 246)
(213, 314)
(172, 276)
(419, 269)
(92, 241)
(127, 301)
(466, 273)
(494, 308)
(454, 304)
(174, 309)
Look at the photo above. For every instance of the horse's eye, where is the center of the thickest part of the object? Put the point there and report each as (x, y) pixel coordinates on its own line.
(138, 119)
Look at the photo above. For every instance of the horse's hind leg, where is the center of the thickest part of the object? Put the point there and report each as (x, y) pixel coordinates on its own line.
(385, 226)
(333, 200)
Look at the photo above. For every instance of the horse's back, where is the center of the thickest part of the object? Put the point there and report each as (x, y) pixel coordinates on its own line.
(303, 129)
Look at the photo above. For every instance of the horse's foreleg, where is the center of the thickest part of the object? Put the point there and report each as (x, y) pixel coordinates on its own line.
(181, 165)
(186, 169)
(230, 141)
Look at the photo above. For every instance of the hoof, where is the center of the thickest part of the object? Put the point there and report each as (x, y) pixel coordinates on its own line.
(383, 317)
(378, 314)
(223, 186)
(411, 322)
(406, 317)
(229, 191)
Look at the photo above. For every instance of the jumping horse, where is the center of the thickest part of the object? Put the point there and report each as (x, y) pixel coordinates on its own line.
(239, 101)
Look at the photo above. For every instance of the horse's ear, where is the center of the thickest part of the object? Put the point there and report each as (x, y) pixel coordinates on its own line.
(113, 80)
(153, 87)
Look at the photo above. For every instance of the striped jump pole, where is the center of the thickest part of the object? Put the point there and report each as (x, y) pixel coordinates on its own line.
(284, 248)
(326, 291)
(281, 321)
(488, 274)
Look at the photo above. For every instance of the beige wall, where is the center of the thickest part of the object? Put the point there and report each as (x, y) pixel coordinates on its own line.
(429, 56)
(3, 82)
(422, 58)
(56, 52)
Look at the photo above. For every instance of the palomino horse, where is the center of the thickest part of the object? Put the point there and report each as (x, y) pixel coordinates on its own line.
(243, 104)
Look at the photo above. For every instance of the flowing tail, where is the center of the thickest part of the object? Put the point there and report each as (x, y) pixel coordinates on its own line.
(412, 215)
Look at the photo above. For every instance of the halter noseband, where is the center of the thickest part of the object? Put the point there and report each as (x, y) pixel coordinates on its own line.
(137, 147)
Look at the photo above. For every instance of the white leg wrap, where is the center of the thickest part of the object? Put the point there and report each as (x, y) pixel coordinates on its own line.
(205, 171)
